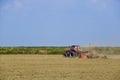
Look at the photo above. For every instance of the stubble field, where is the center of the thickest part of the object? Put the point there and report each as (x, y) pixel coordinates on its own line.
(56, 67)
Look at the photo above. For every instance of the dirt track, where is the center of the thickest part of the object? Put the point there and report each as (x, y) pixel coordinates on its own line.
(113, 56)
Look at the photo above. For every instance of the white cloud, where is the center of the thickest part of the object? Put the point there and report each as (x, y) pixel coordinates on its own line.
(57, 3)
(100, 4)
(5, 7)
(104, 5)
(94, 1)
(9, 5)
(17, 4)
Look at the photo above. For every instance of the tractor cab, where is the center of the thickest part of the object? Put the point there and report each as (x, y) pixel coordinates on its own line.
(72, 51)
(75, 48)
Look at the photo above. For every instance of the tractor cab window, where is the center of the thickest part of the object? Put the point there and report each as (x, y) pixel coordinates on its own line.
(72, 47)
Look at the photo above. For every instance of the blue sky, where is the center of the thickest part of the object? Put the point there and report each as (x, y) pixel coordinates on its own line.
(59, 22)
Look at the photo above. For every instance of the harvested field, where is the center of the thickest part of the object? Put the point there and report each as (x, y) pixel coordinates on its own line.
(56, 67)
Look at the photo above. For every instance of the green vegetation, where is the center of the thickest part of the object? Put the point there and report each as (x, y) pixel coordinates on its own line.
(55, 50)
(107, 50)
(32, 50)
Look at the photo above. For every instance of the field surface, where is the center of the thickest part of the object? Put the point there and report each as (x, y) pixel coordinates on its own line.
(56, 67)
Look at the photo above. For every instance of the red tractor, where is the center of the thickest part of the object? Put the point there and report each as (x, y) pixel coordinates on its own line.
(75, 51)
